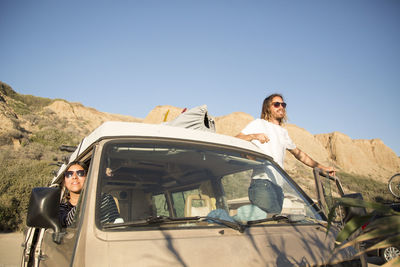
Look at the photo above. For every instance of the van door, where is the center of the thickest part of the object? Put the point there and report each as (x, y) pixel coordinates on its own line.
(47, 251)
(53, 254)
(41, 250)
(328, 188)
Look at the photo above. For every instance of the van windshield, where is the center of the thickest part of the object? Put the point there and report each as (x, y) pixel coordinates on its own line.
(141, 182)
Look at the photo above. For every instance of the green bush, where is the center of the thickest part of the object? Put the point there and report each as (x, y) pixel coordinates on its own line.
(10, 218)
(18, 177)
(20, 171)
(7, 90)
(35, 103)
(7, 137)
(24, 104)
(53, 138)
(19, 107)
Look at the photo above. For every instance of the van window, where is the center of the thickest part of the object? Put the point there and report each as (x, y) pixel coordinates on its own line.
(164, 181)
(161, 205)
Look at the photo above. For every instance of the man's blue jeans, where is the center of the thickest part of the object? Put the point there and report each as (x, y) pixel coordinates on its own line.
(266, 195)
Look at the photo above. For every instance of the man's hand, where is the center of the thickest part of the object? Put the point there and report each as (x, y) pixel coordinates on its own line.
(109, 172)
(330, 170)
(263, 138)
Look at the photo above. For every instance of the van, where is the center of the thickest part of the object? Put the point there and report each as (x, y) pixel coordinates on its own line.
(182, 198)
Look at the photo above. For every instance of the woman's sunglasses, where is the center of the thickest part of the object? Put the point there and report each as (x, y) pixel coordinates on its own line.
(277, 104)
(69, 174)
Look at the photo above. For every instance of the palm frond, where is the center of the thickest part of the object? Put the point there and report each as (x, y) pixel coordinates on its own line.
(380, 225)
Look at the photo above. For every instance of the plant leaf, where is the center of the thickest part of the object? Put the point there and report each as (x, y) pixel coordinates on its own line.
(394, 262)
(386, 243)
(353, 202)
(351, 226)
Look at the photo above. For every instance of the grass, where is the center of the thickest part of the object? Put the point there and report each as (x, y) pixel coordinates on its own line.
(371, 189)
(53, 138)
(24, 104)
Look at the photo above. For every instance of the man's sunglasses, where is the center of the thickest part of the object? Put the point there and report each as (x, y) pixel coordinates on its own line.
(277, 104)
(80, 173)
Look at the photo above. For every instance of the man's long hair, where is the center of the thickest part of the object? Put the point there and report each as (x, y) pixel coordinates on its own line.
(266, 112)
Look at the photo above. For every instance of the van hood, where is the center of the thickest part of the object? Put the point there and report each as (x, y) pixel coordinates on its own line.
(272, 245)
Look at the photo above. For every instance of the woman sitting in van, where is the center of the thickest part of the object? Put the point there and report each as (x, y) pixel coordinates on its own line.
(74, 179)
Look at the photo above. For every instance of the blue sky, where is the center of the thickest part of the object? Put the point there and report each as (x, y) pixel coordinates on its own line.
(336, 62)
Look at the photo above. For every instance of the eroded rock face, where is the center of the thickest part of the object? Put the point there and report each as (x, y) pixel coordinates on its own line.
(346, 154)
(364, 157)
(162, 113)
(90, 118)
(233, 123)
(382, 155)
(309, 143)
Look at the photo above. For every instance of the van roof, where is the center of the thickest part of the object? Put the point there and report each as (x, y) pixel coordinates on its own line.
(115, 129)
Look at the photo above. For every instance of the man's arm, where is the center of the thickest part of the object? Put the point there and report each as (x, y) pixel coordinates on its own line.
(307, 160)
(263, 138)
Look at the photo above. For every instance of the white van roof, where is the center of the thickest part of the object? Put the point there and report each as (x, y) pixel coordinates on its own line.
(112, 129)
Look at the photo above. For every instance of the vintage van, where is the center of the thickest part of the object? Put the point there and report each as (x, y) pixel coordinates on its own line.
(182, 196)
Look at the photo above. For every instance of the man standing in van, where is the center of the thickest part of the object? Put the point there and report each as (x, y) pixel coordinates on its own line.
(268, 134)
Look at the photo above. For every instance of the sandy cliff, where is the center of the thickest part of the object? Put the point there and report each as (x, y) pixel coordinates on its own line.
(77, 113)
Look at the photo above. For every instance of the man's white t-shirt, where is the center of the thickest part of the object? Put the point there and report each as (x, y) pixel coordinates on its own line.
(279, 139)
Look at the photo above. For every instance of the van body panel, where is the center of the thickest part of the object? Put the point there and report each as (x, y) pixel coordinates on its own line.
(274, 245)
(242, 248)
(61, 254)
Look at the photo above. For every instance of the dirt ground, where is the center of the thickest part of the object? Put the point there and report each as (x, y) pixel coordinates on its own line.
(10, 249)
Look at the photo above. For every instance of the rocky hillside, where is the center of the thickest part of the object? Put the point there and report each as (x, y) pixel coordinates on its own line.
(23, 116)
(32, 129)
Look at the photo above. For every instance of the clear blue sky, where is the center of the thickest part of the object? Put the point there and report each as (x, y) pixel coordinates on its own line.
(336, 62)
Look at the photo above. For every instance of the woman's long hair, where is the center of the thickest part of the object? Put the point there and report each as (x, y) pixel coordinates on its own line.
(266, 112)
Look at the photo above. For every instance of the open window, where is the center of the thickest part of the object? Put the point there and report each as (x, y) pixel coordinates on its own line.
(328, 188)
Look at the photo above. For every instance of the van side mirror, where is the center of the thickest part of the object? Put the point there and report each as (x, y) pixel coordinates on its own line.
(43, 210)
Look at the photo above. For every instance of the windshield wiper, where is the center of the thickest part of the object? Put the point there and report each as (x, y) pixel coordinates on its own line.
(151, 220)
(234, 225)
(290, 218)
(163, 219)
